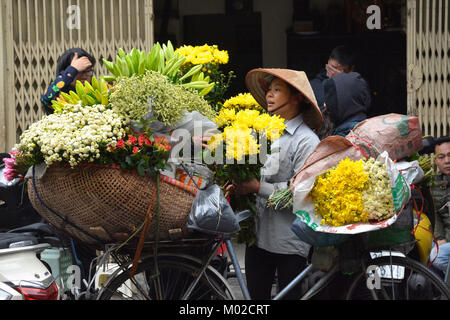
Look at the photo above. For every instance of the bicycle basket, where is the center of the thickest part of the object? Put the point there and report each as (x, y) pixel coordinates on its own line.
(103, 202)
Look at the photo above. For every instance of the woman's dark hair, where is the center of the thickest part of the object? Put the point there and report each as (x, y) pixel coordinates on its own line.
(66, 59)
(345, 55)
(327, 125)
(304, 106)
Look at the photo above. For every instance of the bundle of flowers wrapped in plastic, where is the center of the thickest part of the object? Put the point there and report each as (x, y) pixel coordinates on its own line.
(351, 192)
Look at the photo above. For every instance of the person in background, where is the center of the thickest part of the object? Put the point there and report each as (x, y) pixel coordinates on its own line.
(347, 101)
(73, 65)
(342, 59)
(441, 198)
(278, 250)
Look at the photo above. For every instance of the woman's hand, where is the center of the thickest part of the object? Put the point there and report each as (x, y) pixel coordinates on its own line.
(81, 64)
(243, 188)
(202, 140)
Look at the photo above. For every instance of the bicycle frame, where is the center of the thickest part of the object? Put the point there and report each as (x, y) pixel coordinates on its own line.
(204, 266)
(234, 260)
(301, 276)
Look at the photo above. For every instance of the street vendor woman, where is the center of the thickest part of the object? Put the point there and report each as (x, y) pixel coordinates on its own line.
(286, 93)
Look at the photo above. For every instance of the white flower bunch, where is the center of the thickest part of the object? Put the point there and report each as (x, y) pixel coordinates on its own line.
(77, 135)
(377, 197)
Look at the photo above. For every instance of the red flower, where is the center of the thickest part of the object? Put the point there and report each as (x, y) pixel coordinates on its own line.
(131, 140)
(120, 144)
(161, 140)
(135, 149)
(141, 140)
(162, 143)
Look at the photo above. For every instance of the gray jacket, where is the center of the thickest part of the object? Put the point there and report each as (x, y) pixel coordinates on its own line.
(273, 228)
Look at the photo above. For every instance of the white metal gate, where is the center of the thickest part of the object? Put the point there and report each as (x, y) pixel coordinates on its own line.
(428, 65)
(34, 34)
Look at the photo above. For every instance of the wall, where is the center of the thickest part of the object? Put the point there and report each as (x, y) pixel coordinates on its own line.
(276, 19)
(33, 33)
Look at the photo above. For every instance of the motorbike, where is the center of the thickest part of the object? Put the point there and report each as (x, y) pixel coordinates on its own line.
(23, 275)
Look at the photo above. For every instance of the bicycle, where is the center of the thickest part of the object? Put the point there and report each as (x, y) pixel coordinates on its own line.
(175, 275)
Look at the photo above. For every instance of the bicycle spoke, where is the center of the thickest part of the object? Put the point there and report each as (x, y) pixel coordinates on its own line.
(175, 279)
(398, 278)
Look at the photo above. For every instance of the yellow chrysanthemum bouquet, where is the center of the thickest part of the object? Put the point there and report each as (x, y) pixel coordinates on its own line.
(240, 148)
(353, 191)
(211, 59)
(245, 130)
(353, 196)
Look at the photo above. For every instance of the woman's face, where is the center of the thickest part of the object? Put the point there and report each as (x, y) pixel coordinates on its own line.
(278, 95)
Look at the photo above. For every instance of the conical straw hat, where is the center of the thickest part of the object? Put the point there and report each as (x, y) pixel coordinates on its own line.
(258, 80)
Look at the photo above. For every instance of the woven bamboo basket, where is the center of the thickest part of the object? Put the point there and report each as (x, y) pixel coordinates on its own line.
(103, 202)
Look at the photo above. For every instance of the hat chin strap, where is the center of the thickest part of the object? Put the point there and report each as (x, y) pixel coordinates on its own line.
(284, 104)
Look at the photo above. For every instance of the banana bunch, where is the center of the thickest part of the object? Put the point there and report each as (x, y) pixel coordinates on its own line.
(198, 80)
(426, 163)
(161, 59)
(88, 94)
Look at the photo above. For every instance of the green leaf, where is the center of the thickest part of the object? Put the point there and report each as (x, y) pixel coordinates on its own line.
(141, 169)
(128, 160)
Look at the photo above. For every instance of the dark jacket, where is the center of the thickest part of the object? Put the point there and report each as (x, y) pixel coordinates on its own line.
(317, 86)
(347, 98)
(61, 84)
(441, 198)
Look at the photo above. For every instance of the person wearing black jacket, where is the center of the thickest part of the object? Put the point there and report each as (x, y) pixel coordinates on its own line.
(342, 59)
(74, 64)
(346, 101)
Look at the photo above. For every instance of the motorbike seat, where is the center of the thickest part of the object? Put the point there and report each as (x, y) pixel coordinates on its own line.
(6, 239)
(39, 229)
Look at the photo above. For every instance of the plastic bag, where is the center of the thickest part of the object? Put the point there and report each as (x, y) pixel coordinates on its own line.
(211, 212)
(412, 171)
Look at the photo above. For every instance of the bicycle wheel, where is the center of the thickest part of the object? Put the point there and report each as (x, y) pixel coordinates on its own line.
(175, 277)
(397, 278)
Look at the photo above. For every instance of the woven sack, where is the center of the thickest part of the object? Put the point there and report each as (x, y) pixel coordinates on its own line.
(105, 202)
